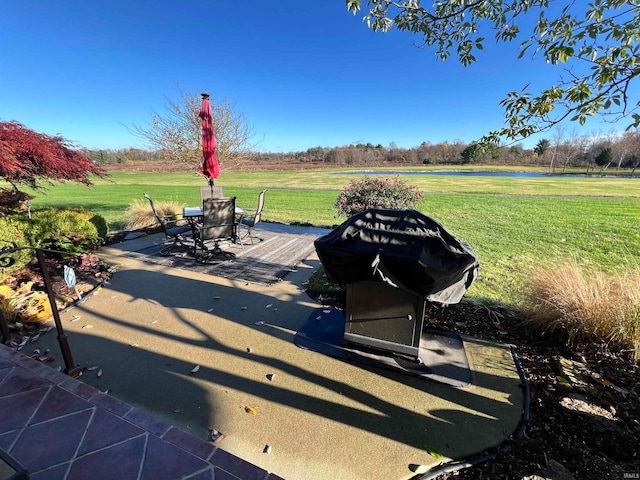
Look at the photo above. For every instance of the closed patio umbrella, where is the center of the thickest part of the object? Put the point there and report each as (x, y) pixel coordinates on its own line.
(210, 167)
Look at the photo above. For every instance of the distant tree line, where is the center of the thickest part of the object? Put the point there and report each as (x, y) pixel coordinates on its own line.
(563, 150)
(123, 155)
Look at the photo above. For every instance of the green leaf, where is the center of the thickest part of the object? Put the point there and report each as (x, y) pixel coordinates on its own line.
(564, 380)
(353, 5)
(433, 452)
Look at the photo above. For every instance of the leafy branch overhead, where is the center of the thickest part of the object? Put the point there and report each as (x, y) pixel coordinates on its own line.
(596, 43)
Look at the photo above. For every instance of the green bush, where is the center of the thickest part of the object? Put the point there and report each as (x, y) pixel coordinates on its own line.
(74, 230)
(11, 236)
(376, 192)
(70, 230)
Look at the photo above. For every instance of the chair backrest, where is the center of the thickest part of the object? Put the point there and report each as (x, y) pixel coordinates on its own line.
(210, 192)
(260, 207)
(155, 213)
(218, 219)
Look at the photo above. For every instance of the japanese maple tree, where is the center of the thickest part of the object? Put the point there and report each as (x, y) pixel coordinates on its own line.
(33, 159)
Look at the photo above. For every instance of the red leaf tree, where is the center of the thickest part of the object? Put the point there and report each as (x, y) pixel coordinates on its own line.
(33, 159)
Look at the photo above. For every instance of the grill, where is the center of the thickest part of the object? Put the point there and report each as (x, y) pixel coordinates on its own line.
(393, 262)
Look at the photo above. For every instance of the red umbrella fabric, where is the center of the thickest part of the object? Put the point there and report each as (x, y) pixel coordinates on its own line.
(210, 167)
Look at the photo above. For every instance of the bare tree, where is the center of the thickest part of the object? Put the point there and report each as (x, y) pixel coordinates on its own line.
(556, 141)
(176, 132)
(624, 145)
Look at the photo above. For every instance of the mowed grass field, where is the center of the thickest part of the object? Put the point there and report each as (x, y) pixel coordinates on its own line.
(512, 224)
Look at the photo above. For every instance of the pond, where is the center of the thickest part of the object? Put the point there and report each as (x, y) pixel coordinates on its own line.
(459, 173)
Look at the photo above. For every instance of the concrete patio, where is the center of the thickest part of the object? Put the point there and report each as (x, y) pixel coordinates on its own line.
(151, 411)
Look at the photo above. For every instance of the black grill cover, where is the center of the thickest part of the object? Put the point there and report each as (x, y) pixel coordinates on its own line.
(404, 248)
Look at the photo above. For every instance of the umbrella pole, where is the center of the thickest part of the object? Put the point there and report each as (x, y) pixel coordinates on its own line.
(211, 186)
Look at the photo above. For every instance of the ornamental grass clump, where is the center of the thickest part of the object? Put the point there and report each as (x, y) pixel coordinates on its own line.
(376, 192)
(580, 304)
(139, 215)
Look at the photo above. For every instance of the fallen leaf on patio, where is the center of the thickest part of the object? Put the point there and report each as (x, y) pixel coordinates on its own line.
(243, 308)
(259, 323)
(87, 326)
(75, 318)
(92, 368)
(248, 349)
(275, 309)
(269, 306)
(176, 410)
(35, 337)
(216, 297)
(266, 449)
(195, 369)
(210, 310)
(326, 311)
(251, 410)
(155, 321)
(51, 359)
(563, 380)
(271, 376)
(433, 452)
(99, 373)
(606, 382)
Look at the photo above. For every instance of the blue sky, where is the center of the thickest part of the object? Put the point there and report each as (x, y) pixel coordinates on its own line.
(304, 74)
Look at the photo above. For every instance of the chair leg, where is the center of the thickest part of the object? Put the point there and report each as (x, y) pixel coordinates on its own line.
(251, 235)
(216, 251)
(177, 242)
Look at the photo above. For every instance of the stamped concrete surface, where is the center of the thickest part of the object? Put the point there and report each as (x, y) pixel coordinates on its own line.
(201, 352)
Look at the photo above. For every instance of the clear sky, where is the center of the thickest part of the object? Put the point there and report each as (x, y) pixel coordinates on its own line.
(304, 74)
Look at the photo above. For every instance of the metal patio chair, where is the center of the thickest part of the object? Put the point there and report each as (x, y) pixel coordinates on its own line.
(251, 218)
(174, 228)
(218, 225)
(210, 192)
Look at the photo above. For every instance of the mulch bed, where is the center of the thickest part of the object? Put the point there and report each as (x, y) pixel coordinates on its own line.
(584, 400)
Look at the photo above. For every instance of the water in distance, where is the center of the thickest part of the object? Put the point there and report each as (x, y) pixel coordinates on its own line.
(460, 173)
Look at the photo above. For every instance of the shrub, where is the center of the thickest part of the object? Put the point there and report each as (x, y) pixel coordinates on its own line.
(11, 235)
(75, 230)
(71, 230)
(376, 192)
(580, 304)
(139, 215)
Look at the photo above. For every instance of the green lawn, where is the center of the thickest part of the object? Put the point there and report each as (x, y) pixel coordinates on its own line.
(511, 223)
